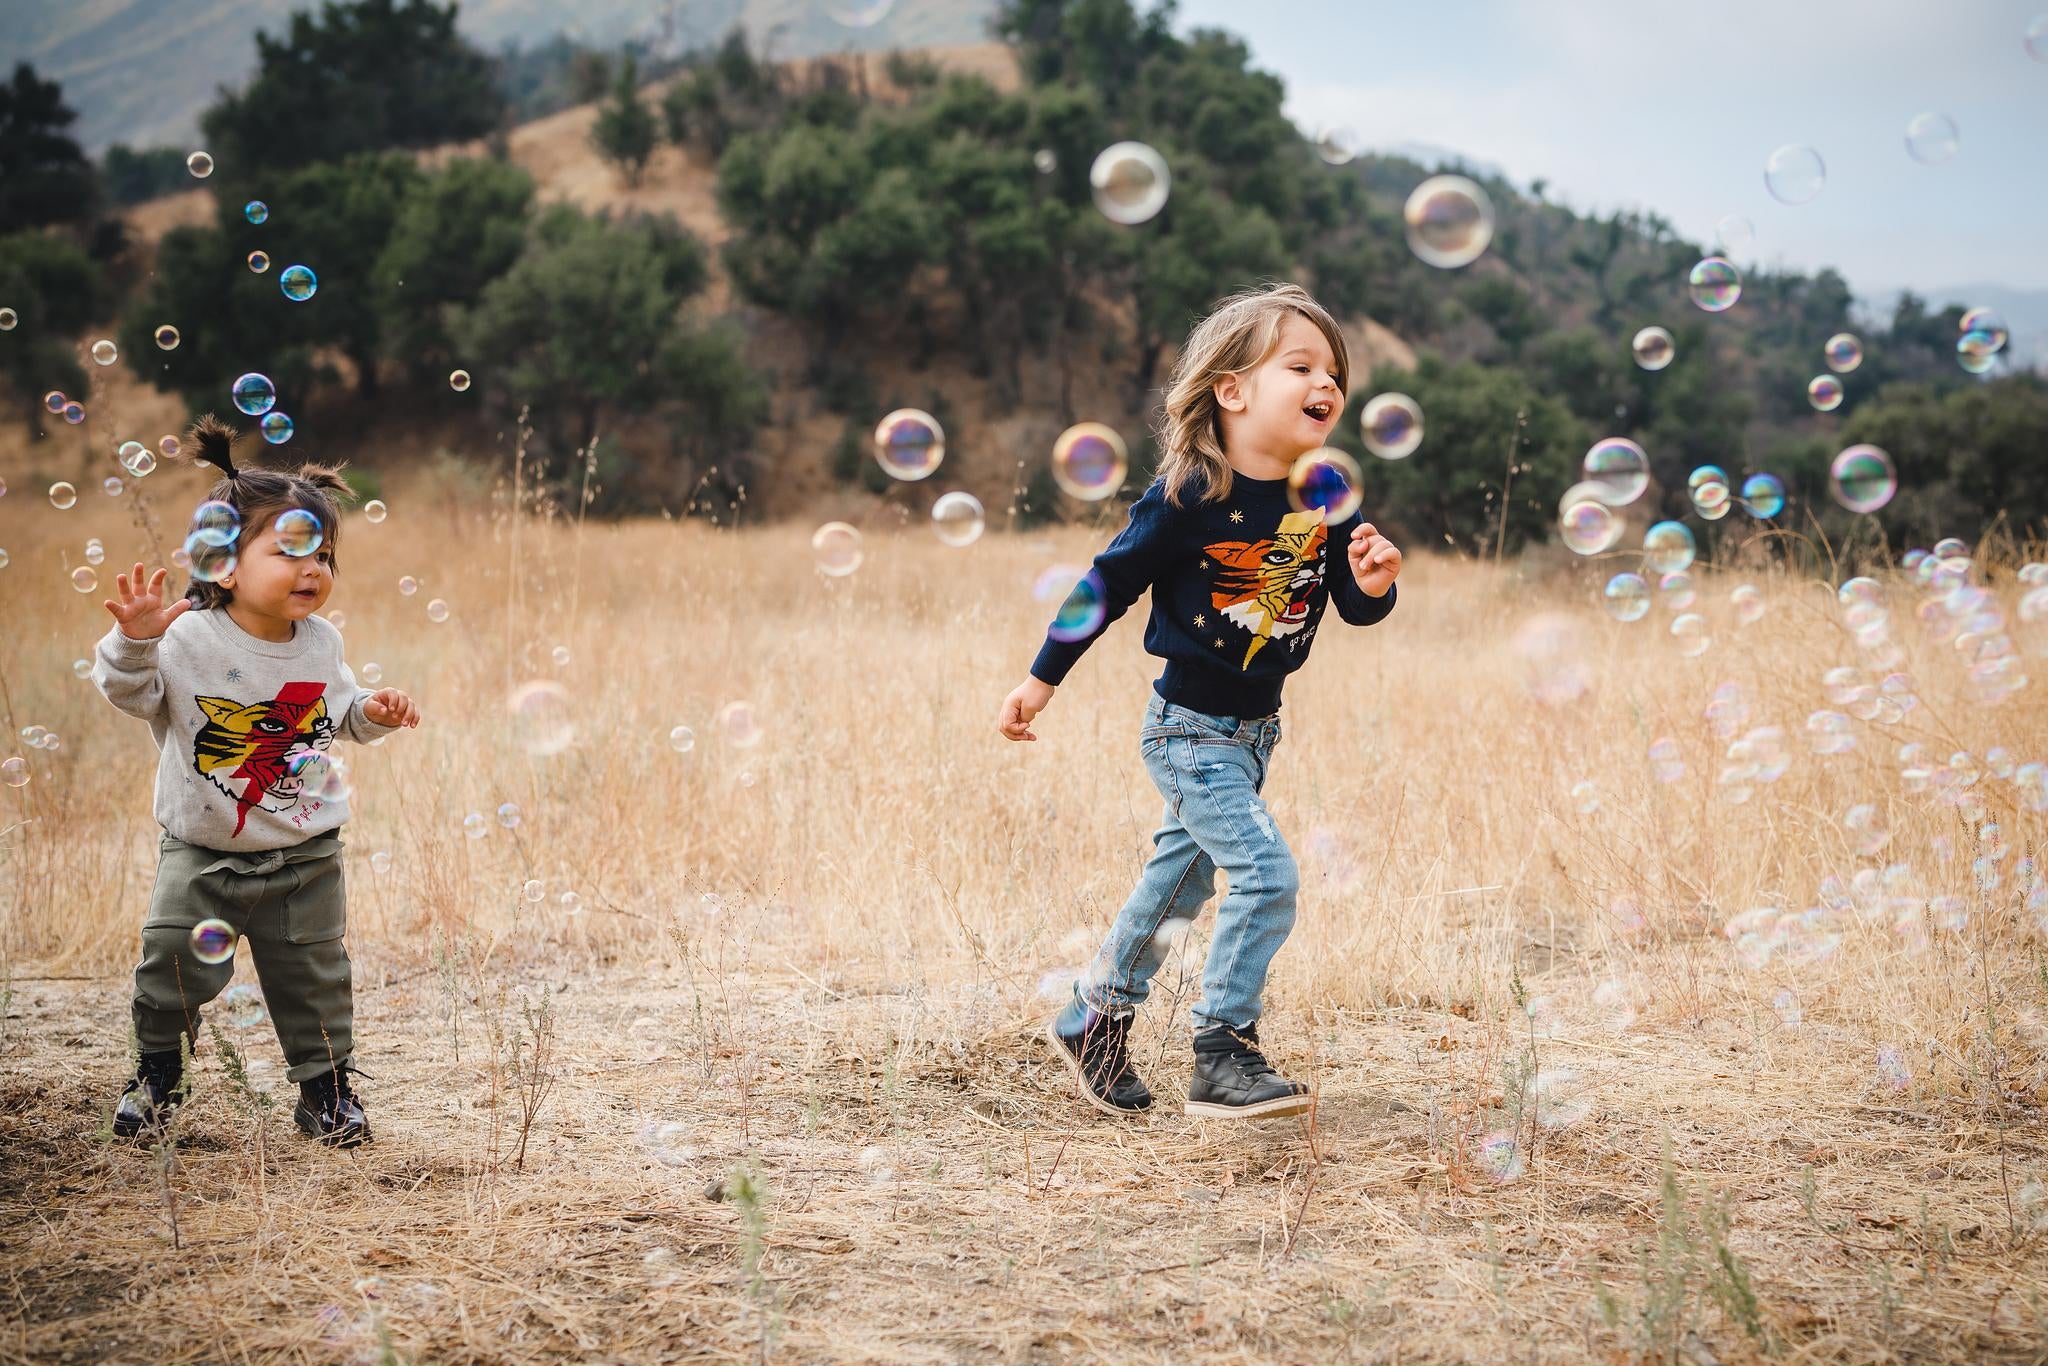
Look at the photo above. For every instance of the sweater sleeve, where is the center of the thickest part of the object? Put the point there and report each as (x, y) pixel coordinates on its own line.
(1353, 603)
(1130, 565)
(125, 671)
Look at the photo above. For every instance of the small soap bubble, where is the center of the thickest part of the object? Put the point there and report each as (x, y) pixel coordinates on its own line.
(1654, 348)
(1669, 547)
(437, 611)
(74, 412)
(475, 826)
(374, 511)
(1627, 597)
(8, 319)
(1619, 466)
(84, 579)
(1449, 220)
(299, 533)
(1089, 461)
(1763, 495)
(105, 352)
(458, 380)
(1862, 479)
(1337, 144)
(1130, 183)
(836, 549)
(1786, 1006)
(1561, 1100)
(339, 620)
(372, 673)
(216, 522)
(244, 1006)
(63, 496)
(168, 447)
(1749, 603)
(1325, 480)
(560, 655)
(909, 444)
(298, 283)
(95, 553)
(167, 338)
(407, 585)
(1690, 631)
(1715, 284)
(958, 519)
(1892, 1070)
(254, 394)
(1667, 763)
(736, 723)
(533, 890)
(1585, 797)
(200, 165)
(1083, 601)
(14, 772)
(571, 903)
(543, 717)
(54, 401)
(380, 862)
(1843, 352)
(682, 739)
(508, 815)
(1677, 590)
(1931, 138)
(1795, 174)
(1501, 1158)
(81, 668)
(1824, 392)
(112, 486)
(256, 211)
(1045, 160)
(320, 775)
(1391, 425)
(213, 941)
(276, 427)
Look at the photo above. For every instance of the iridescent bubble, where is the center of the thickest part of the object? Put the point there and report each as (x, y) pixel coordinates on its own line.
(1707, 486)
(1588, 527)
(63, 496)
(54, 401)
(84, 579)
(1749, 603)
(299, 532)
(1449, 221)
(373, 673)
(167, 338)
(1843, 352)
(168, 447)
(1089, 461)
(254, 394)
(95, 552)
(909, 444)
(1327, 480)
(8, 319)
(1977, 362)
(1795, 174)
(244, 1006)
(407, 585)
(213, 941)
(1862, 478)
(458, 380)
(1082, 601)
(437, 611)
(14, 772)
(560, 654)
(1715, 284)
(1654, 348)
(111, 486)
(1734, 233)
(259, 261)
(543, 717)
(74, 412)
(1336, 144)
(1690, 631)
(1983, 331)
(958, 519)
(532, 890)
(1046, 160)
(1627, 597)
(277, 427)
(256, 211)
(1669, 547)
(298, 283)
(129, 452)
(682, 739)
(736, 723)
(836, 549)
(1620, 466)
(81, 668)
(1824, 392)
(1830, 732)
(1677, 590)
(321, 775)
(1391, 425)
(374, 511)
(475, 826)
(209, 561)
(1500, 1157)
(105, 352)
(216, 522)
(1931, 138)
(859, 13)
(1130, 182)
(1867, 829)
(1763, 495)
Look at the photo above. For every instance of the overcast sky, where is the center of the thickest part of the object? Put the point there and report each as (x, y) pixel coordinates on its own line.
(1676, 107)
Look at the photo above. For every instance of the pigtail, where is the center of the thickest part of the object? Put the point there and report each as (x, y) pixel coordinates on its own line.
(328, 479)
(213, 441)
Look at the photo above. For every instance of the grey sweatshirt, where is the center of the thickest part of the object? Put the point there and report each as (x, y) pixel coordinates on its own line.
(229, 714)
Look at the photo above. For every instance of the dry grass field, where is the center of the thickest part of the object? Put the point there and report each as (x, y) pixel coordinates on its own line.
(768, 1085)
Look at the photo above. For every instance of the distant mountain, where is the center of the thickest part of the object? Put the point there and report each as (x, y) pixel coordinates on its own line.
(140, 71)
(2025, 310)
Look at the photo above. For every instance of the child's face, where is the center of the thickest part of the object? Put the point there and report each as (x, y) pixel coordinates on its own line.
(1290, 401)
(289, 587)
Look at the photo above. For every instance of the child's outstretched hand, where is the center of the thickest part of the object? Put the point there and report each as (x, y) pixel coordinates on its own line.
(390, 707)
(1375, 560)
(1025, 701)
(140, 609)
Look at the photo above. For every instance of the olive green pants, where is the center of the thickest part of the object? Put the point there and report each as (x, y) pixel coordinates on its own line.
(287, 906)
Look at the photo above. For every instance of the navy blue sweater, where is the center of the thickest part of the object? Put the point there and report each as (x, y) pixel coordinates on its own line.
(1238, 588)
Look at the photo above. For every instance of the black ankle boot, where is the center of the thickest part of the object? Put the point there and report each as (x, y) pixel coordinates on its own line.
(150, 1096)
(329, 1111)
(1100, 1059)
(1233, 1079)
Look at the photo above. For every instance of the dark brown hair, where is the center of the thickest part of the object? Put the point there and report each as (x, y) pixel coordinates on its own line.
(257, 495)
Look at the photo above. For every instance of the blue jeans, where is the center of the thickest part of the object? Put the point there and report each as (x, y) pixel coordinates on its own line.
(1210, 770)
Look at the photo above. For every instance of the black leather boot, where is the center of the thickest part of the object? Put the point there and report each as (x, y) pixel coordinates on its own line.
(329, 1111)
(1100, 1059)
(1233, 1080)
(150, 1096)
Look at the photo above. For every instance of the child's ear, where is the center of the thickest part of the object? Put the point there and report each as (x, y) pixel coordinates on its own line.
(1230, 395)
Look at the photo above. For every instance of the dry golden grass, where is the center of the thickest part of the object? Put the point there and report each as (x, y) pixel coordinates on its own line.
(828, 979)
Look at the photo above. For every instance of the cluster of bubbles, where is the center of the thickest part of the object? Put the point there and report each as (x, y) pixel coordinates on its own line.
(60, 404)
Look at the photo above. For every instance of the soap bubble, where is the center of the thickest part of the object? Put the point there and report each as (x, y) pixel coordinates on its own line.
(1975, 362)
(1667, 763)
(1337, 145)
(1586, 796)
(1749, 604)
(84, 579)
(1707, 486)
(1931, 138)
(1678, 590)
(1690, 631)
(105, 352)
(259, 261)
(1867, 828)
(380, 863)
(1560, 1100)
(1830, 732)
(169, 446)
(1130, 183)
(111, 486)
(74, 412)
(1554, 651)
(407, 585)
(859, 13)
(54, 401)
(1326, 479)
(836, 549)
(8, 319)
(244, 1006)
(1501, 1158)
(437, 611)
(1862, 478)
(1627, 597)
(1843, 352)
(213, 941)
(321, 775)
(1892, 1070)
(1449, 220)
(216, 522)
(958, 519)
(736, 722)
(1046, 160)
(1588, 527)
(374, 511)
(277, 427)
(532, 890)
(1983, 331)
(543, 717)
(373, 673)
(1795, 174)
(81, 668)
(256, 211)
(1082, 601)
(1089, 461)
(95, 552)
(571, 903)
(1391, 425)
(63, 496)
(209, 561)
(458, 380)
(254, 394)
(682, 739)
(298, 283)
(299, 532)
(560, 654)
(1669, 547)
(167, 337)
(200, 165)
(1734, 233)
(475, 826)
(14, 772)
(1824, 392)
(1715, 284)
(1763, 495)
(1654, 348)
(1618, 465)
(909, 444)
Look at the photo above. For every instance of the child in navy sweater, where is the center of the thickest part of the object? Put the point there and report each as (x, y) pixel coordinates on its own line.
(1239, 580)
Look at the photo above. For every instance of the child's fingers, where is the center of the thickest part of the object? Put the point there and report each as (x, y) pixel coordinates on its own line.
(156, 581)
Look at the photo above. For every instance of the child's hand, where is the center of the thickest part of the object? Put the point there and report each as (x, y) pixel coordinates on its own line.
(390, 707)
(1025, 701)
(1375, 560)
(141, 609)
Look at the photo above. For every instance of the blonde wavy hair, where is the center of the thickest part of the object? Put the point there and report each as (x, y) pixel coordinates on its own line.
(1237, 335)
